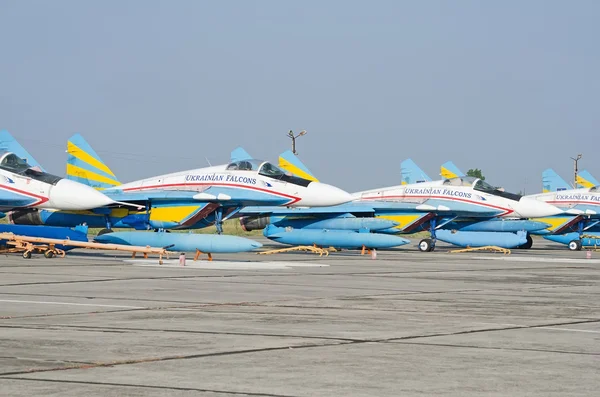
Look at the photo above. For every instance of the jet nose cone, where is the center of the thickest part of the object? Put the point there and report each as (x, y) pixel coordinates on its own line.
(323, 195)
(72, 196)
(531, 208)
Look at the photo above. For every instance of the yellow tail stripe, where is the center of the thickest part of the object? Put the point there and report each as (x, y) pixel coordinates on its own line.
(79, 172)
(447, 173)
(286, 165)
(75, 151)
(584, 182)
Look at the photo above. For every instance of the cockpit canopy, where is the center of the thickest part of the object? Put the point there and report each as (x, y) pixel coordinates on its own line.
(267, 169)
(460, 181)
(482, 186)
(12, 163)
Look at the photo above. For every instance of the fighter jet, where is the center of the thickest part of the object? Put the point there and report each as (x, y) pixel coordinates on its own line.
(580, 220)
(462, 211)
(182, 200)
(25, 186)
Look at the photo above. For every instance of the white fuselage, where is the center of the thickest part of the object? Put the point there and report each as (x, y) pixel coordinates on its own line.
(436, 195)
(25, 189)
(21, 191)
(574, 201)
(293, 194)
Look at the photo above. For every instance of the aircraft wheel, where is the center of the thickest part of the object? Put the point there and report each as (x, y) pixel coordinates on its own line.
(49, 254)
(575, 245)
(104, 231)
(27, 254)
(528, 244)
(426, 245)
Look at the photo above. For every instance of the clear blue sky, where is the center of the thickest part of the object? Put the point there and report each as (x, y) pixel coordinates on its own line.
(511, 87)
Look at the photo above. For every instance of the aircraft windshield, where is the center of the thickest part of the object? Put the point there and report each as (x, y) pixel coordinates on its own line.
(267, 169)
(245, 165)
(482, 186)
(13, 163)
(487, 188)
(270, 170)
(464, 181)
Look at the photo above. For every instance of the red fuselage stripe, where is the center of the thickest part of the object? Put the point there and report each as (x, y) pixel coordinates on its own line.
(575, 202)
(41, 199)
(293, 198)
(508, 211)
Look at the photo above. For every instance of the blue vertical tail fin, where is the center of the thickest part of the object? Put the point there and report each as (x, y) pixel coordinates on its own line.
(85, 166)
(291, 163)
(449, 170)
(411, 173)
(10, 144)
(552, 182)
(585, 179)
(240, 154)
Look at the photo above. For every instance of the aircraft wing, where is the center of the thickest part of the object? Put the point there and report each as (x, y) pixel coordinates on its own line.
(335, 210)
(379, 207)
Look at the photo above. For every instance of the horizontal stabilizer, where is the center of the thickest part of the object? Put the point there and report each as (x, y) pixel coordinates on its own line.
(560, 224)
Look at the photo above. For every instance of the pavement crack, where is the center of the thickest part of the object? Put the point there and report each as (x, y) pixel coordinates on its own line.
(476, 331)
(172, 358)
(156, 387)
(496, 348)
(166, 330)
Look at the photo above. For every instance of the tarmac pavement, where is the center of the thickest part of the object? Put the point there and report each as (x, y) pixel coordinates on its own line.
(406, 323)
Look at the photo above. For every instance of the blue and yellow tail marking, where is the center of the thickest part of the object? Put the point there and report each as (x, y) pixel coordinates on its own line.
(10, 144)
(240, 154)
(585, 179)
(85, 166)
(411, 173)
(449, 170)
(552, 182)
(290, 162)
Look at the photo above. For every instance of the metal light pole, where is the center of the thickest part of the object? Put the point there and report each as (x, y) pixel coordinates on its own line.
(575, 160)
(293, 137)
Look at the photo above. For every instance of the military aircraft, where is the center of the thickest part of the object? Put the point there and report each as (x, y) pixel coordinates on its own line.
(182, 200)
(581, 206)
(464, 210)
(23, 185)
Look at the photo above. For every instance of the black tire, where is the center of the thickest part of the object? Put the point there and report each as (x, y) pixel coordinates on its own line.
(575, 245)
(27, 254)
(426, 245)
(49, 254)
(528, 244)
(104, 231)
